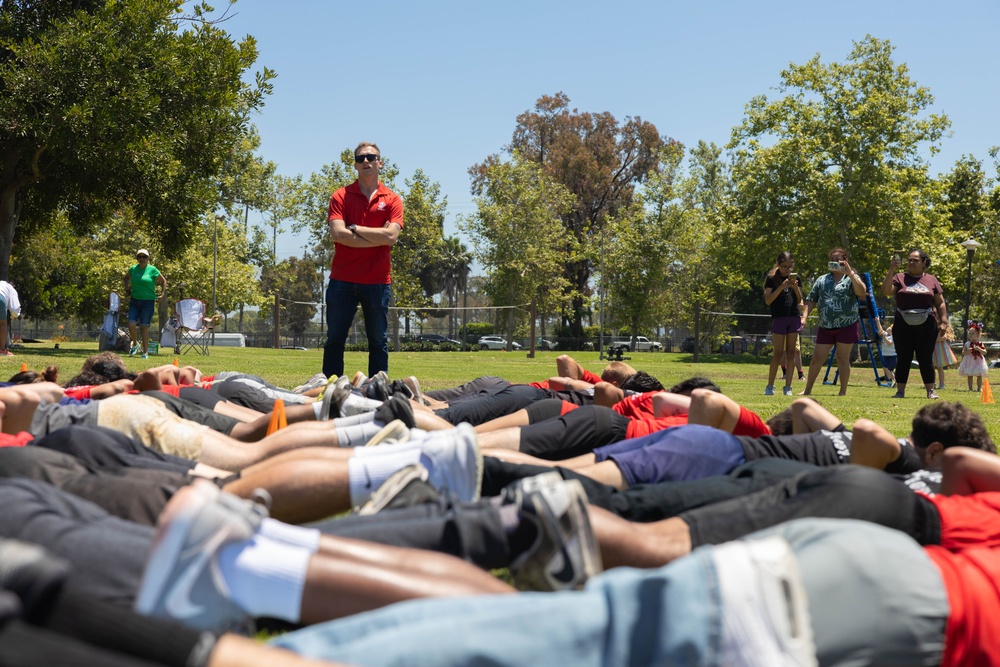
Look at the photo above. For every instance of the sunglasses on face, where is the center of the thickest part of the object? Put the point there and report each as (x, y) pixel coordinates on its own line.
(368, 157)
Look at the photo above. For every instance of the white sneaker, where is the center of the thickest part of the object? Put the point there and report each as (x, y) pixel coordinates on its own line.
(769, 390)
(392, 433)
(181, 580)
(788, 391)
(453, 459)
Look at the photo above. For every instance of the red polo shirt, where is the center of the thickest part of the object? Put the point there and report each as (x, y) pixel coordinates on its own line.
(365, 266)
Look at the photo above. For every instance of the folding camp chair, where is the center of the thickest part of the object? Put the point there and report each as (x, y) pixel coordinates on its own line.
(113, 336)
(194, 330)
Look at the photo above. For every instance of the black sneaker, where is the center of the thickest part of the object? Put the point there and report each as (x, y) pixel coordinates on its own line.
(396, 407)
(30, 572)
(404, 488)
(564, 554)
(401, 388)
(376, 389)
(333, 398)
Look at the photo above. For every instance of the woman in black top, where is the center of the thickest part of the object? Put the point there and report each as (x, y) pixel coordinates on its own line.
(783, 293)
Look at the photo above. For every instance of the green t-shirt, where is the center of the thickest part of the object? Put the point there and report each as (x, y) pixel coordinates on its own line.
(144, 282)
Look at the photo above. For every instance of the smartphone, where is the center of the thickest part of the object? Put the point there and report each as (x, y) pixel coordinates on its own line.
(898, 255)
(834, 266)
(793, 275)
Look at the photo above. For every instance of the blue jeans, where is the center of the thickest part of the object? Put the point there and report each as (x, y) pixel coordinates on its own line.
(342, 299)
(874, 597)
(669, 616)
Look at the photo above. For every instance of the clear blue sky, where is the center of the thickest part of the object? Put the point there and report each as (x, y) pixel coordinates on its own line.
(438, 85)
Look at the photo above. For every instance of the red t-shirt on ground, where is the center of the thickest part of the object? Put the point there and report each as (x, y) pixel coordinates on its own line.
(971, 582)
(364, 266)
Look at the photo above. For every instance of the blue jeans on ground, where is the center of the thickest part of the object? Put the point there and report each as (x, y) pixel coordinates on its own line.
(342, 299)
(873, 595)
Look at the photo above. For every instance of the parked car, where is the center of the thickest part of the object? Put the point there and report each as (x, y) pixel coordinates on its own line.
(545, 344)
(436, 339)
(495, 343)
(642, 344)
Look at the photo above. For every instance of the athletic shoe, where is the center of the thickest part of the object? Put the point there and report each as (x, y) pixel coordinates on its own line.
(32, 573)
(133, 351)
(358, 378)
(892, 384)
(314, 382)
(769, 390)
(392, 433)
(376, 389)
(181, 579)
(564, 554)
(405, 488)
(932, 395)
(401, 388)
(802, 376)
(381, 375)
(453, 459)
(6, 353)
(145, 356)
(396, 407)
(788, 391)
(899, 394)
(334, 397)
(414, 384)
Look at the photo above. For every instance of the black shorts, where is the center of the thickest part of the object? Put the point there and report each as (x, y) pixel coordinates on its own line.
(836, 492)
(136, 494)
(577, 432)
(193, 412)
(539, 411)
(99, 446)
(243, 394)
(199, 396)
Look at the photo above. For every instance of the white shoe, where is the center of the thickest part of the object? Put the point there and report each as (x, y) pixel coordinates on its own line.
(452, 456)
(392, 433)
(769, 390)
(788, 391)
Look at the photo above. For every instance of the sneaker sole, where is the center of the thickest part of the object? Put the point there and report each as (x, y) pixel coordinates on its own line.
(167, 546)
(394, 432)
(391, 487)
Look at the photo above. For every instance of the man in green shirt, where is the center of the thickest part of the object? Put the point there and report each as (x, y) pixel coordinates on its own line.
(140, 285)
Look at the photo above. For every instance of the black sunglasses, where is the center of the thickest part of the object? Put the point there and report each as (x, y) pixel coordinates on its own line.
(367, 157)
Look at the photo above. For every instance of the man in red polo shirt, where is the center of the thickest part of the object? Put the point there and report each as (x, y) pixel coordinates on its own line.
(365, 219)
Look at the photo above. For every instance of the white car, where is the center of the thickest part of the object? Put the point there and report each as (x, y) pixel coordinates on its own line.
(642, 344)
(495, 343)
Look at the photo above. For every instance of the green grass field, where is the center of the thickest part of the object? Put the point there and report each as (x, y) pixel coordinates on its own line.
(742, 378)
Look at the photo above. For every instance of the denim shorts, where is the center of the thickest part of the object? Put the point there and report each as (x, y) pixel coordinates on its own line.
(141, 311)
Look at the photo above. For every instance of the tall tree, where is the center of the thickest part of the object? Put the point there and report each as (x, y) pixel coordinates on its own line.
(105, 104)
(599, 161)
(837, 160)
(517, 234)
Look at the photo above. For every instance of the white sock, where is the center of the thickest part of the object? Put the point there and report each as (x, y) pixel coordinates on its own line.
(265, 576)
(366, 473)
(356, 435)
(289, 534)
(317, 409)
(360, 418)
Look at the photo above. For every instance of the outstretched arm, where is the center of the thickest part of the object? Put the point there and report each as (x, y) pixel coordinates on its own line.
(808, 416)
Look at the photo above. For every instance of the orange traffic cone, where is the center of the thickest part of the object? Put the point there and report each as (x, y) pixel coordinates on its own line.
(176, 363)
(987, 395)
(278, 418)
(24, 367)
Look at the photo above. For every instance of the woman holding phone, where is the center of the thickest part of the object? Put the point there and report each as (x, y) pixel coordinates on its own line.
(835, 297)
(921, 315)
(783, 293)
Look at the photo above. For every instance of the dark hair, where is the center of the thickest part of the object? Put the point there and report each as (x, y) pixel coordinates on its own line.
(50, 374)
(641, 382)
(109, 357)
(783, 256)
(781, 423)
(837, 251)
(687, 386)
(923, 256)
(951, 424)
(109, 370)
(86, 379)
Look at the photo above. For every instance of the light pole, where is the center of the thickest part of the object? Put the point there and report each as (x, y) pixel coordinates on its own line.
(215, 273)
(970, 249)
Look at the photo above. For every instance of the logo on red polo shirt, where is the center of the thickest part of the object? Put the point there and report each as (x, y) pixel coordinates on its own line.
(381, 206)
